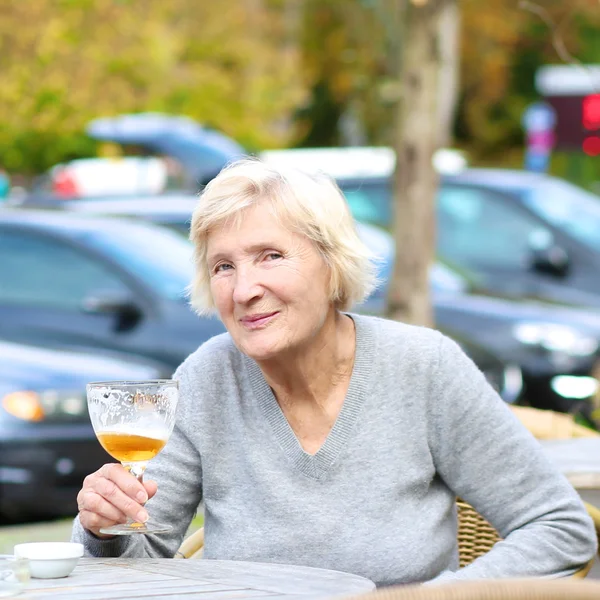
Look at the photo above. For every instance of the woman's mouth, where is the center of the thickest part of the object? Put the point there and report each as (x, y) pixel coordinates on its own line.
(258, 320)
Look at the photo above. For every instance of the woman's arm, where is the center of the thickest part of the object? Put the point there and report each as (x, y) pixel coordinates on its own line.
(490, 460)
(178, 473)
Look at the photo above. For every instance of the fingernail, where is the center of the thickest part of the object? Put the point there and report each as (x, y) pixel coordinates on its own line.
(142, 516)
(141, 497)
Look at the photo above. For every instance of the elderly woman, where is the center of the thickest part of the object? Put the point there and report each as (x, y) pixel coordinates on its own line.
(319, 437)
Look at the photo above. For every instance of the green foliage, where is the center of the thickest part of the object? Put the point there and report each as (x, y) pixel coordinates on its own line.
(66, 62)
(267, 72)
(30, 151)
(502, 47)
(345, 46)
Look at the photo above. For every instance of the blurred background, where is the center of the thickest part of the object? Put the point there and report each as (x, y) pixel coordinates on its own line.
(464, 135)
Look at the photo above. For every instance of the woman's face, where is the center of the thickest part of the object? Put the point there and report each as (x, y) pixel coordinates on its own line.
(270, 285)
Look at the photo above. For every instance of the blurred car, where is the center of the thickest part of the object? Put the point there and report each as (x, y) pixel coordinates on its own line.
(88, 282)
(113, 283)
(173, 210)
(514, 234)
(200, 151)
(47, 444)
(99, 178)
(185, 156)
(565, 251)
(555, 348)
(550, 353)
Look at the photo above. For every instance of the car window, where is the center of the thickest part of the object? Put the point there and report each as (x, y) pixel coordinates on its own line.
(159, 256)
(369, 202)
(569, 208)
(477, 228)
(180, 227)
(38, 271)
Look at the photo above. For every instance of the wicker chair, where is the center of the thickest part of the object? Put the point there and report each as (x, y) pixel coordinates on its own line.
(476, 536)
(517, 589)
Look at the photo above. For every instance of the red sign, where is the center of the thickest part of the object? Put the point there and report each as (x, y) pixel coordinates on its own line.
(577, 120)
(591, 145)
(591, 112)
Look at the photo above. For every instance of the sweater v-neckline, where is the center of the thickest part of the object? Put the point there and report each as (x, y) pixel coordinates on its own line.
(317, 465)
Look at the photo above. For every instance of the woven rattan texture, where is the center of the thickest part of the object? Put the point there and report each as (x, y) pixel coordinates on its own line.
(476, 536)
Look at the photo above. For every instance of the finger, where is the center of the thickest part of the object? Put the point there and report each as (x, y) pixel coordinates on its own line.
(94, 522)
(125, 481)
(151, 488)
(91, 502)
(115, 496)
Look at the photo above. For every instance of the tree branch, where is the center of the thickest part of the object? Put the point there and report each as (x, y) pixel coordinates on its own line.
(557, 40)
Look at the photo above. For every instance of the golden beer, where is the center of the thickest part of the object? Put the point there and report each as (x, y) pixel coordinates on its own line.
(127, 447)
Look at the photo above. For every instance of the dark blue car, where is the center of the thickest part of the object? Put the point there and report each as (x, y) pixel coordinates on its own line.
(519, 235)
(88, 282)
(47, 444)
(512, 233)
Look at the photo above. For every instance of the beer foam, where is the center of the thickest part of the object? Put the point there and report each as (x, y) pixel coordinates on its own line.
(154, 431)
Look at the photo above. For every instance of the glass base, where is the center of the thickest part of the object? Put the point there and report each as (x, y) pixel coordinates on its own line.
(132, 528)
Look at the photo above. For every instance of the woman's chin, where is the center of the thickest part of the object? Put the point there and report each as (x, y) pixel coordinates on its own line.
(260, 354)
(261, 349)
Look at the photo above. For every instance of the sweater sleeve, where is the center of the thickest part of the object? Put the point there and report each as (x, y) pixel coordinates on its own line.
(487, 458)
(178, 473)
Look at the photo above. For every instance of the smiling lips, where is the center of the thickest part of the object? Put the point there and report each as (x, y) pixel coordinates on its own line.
(258, 320)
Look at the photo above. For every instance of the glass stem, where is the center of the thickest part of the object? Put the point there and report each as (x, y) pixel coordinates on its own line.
(137, 469)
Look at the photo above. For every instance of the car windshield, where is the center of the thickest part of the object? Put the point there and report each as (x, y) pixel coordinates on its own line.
(569, 208)
(157, 255)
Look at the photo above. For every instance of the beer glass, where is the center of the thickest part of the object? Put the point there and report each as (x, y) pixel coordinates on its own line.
(133, 421)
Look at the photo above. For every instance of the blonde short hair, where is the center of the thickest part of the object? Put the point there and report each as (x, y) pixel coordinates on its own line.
(311, 205)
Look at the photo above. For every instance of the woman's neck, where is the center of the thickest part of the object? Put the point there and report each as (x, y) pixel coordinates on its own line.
(310, 374)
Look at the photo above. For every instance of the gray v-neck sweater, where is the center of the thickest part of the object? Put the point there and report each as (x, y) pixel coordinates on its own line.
(419, 426)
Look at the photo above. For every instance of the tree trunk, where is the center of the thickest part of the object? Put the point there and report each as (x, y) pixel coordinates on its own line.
(449, 84)
(418, 136)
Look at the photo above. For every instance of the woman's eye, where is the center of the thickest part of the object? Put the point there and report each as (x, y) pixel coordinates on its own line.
(222, 267)
(274, 255)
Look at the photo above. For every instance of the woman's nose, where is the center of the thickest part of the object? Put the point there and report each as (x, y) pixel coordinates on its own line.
(246, 286)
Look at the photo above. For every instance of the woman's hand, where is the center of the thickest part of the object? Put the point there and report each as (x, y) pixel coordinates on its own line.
(111, 495)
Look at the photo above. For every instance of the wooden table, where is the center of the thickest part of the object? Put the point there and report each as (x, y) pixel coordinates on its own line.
(124, 578)
(578, 459)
